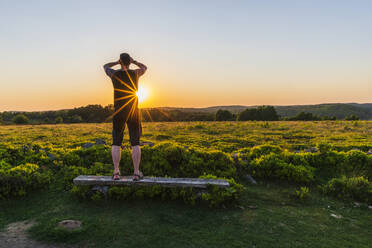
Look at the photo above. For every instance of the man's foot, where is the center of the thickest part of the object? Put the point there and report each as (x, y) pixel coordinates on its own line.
(116, 175)
(137, 176)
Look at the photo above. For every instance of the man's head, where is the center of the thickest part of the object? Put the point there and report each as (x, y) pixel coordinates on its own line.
(125, 59)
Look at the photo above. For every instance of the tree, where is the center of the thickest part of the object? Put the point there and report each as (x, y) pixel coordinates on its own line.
(248, 115)
(267, 113)
(303, 116)
(352, 117)
(20, 119)
(58, 120)
(261, 113)
(223, 115)
(76, 119)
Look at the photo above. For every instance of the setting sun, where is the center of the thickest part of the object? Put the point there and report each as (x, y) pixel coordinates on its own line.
(142, 93)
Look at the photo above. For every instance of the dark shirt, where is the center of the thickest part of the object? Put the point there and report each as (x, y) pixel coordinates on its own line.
(124, 87)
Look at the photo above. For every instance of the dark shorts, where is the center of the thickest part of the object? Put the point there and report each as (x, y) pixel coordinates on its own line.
(134, 127)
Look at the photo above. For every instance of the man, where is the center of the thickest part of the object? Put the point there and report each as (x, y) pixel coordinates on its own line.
(125, 82)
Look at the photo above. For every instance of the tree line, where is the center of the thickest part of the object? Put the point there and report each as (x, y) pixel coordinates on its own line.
(97, 114)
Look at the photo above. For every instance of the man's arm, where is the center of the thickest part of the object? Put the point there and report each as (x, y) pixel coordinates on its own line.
(142, 68)
(107, 67)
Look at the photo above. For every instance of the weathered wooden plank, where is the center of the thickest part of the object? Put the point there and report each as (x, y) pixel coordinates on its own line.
(163, 181)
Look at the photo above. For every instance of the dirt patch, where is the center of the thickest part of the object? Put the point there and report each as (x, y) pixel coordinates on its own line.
(16, 237)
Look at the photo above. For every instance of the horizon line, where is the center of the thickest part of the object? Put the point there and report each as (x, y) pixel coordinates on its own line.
(234, 105)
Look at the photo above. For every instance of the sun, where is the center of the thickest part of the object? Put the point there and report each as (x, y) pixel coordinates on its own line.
(142, 93)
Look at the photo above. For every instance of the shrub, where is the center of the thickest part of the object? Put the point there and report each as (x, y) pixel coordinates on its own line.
(357, 188)
(19, 180)
(258, 151)
(223, 115)
(357, 163)
(20, 119)
(173, 160)
(272, 166)
(302, 193)
(58, 120)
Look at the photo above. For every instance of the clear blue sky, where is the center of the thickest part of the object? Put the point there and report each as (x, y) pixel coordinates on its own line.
(199, 53)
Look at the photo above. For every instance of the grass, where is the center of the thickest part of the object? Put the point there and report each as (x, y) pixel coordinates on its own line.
(224, 136)
(279, 221)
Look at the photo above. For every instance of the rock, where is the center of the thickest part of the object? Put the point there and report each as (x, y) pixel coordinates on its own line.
(357, 204)
(39, 150)
(250, 179)
(102, 189)
(200, 193)
(312, 150)
(27, 147)
(241, 207)
(51, 156)
(100, 142)
(252, 207)
(70, 224)
(369, 152)
(370, 207)
(87, 145)
(296, 151)
(336, 216)
(235, 155)
(149, 143)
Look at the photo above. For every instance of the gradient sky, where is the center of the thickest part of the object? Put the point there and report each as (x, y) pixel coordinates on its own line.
(198, 53)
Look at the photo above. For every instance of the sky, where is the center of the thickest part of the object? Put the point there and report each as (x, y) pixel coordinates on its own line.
(198, 53)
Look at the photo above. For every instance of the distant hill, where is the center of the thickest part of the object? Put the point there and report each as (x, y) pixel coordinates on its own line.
(340, 110)
(232, 108)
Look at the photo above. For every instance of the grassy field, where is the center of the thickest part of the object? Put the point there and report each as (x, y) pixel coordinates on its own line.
(224, 136)
(266, 216)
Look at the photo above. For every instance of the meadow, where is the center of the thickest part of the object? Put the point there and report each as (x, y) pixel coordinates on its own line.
(313, 184)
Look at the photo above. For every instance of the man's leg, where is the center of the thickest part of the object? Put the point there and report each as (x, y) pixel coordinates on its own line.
(116, 156)
(117, 138)
(134, 135)
(136, 157)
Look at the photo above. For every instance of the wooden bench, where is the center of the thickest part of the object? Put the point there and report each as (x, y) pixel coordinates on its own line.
(162, 181)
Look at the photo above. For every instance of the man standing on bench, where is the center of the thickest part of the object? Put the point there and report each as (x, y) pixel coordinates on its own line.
(125, 82)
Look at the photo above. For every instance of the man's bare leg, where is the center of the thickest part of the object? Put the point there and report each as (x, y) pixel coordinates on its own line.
(136, 157)
(116, 156)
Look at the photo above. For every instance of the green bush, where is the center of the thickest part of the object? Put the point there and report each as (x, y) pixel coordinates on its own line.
(173, 160)
(259, 151)
(18, 180)
(20, 119)
(58, 120)
(357, 163)
(302, 193)
(272, 166)
(357, 188)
